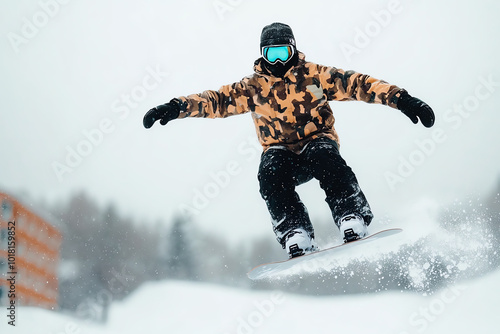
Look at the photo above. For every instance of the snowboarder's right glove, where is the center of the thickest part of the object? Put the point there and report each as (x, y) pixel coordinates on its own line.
(165, 113)
(415, 109)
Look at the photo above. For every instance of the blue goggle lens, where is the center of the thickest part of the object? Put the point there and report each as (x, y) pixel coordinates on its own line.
(274, 53)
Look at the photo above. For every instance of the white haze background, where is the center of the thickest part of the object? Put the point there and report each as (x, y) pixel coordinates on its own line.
(66, 79)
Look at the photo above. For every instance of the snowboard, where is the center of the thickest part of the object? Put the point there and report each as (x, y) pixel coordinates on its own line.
(314, 260)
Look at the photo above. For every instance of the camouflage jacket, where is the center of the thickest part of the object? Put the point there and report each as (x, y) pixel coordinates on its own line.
(292, 110)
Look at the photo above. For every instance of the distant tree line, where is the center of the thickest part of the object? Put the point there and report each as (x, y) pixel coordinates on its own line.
(106, 256)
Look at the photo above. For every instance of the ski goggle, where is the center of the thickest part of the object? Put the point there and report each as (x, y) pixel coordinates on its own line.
(275, 53)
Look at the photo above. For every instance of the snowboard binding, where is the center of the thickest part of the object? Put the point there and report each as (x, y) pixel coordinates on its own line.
(299, 242)
(353, 227)
(294, 251)
(349, 235)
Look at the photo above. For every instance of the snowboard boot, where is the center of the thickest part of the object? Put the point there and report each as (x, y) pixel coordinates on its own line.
(298, 243)
(353, 227)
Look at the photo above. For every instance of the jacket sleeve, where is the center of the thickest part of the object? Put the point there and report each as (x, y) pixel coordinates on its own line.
(229, 100)
(343, 85)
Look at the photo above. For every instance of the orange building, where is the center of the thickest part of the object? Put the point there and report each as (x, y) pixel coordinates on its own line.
(29, 256)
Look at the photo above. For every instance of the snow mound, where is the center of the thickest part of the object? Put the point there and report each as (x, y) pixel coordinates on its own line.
(183, 307)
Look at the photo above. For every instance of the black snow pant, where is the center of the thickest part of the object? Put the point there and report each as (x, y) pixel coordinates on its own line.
(281, 170)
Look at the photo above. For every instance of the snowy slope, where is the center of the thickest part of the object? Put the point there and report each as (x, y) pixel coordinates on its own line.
(181, 307)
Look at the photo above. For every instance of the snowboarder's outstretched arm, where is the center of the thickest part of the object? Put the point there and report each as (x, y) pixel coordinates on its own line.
(227, 101)
(415, 109)
(165, 113)
(352, 86)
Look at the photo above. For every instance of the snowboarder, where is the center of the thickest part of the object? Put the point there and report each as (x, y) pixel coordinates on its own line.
(288, 98)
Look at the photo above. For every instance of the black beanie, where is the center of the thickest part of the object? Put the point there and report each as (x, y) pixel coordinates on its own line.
(277, 34)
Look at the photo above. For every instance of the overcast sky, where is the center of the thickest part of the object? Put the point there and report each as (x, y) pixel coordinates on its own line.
(78, 76)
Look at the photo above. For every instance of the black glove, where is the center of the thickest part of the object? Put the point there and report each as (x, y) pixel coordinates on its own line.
(416, 109)
(165, 113)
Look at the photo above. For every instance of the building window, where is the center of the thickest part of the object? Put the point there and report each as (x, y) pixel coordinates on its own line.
(3, 239)
(6, 210)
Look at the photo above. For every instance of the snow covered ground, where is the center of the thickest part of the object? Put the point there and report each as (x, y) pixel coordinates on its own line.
(182, 307)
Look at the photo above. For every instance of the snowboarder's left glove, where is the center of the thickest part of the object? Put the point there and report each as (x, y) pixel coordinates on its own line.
(165, 113)
(416, 109)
